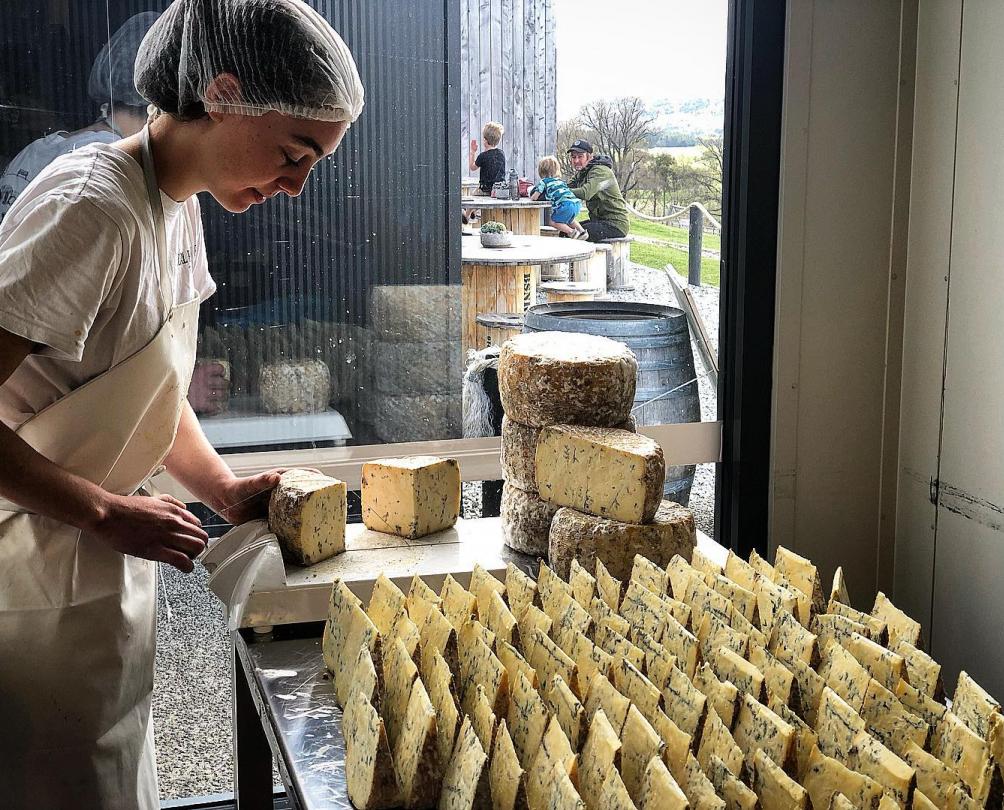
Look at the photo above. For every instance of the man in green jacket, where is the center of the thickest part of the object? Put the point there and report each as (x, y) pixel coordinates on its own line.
(596, 183)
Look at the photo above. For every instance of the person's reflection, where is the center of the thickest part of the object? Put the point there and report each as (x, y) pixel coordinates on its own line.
(123, 110)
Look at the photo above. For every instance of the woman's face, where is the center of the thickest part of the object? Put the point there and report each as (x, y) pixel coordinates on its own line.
(253, 158)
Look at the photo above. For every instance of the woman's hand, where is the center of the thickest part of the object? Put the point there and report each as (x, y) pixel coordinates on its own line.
(158, 528)
(244, 499)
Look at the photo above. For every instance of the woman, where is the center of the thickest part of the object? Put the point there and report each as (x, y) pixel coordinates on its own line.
(102, 269)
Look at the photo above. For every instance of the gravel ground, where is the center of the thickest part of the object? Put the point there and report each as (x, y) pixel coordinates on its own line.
(192, 701)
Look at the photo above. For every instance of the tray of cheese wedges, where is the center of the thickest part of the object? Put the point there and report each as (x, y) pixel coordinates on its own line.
(690, 685)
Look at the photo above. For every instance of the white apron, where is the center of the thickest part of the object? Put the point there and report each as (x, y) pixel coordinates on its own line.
(78, 619)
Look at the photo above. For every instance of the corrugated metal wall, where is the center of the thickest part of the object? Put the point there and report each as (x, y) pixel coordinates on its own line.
(507, 74)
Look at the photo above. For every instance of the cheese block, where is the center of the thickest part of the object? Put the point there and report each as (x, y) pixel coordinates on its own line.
(684, 703)
(658, 661)
(826, 776)
(589, 659)
(778, 680)
(844, 675)
(677, 742)
(588, 538)
(737, 796)
(837, 724)
(876, 761)
(717, 741)
(306, 511)
(361, 633)
(439, 683)
(608, 587)
(603, 697)
(483, 719)
(526, 521)
(600, 613)
(438, 635)
(369, 766)
(973, 705)
(683, 644)
(294, 386)
(747, 678)
(533, 618)
(416, 756)
(459, 604)
(739, 571)
(548, 659)
(900, 625)
(926, 708)
(808, 686)
(399, 676)
(613, 643)
(505, 775)
(890, 720)
(786, 633)
(924, 673)
(411, 497)
(527, 719)
(680, 571)
(831, 626)
(482, 585)
(631, 683)
(644, 609)
(714, 632)
(838, 590)
(500, 620)
(387, 602)
(568, 709)
(606, 472)
(743, 600)
(582, 583)
(465, 782)
(774, 788)
(884, 665)
(934, 777)
(600, 755)
(961, 748)
(757, 727)
(554, 759)
(723, 696)
(640, 743)
(420, 598)
(877, 630)
(805, 737)
(649, 575)
(515, 663)
(801, 573)
(699, 789)
(660, 791)
(520, 589)
(773, 600)
(614, 795)
(549, 378)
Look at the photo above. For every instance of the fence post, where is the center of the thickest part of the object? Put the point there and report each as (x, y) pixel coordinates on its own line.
(694, 249)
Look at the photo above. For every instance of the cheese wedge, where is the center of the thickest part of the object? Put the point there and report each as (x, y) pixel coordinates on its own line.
(876, 761)
(660, 791)
(900, 625)
(602, 696)
(589, 659)
(440, 686)
(466, 780)
(459, 604)
(521, 590)
(805, 737)
(649, 575)
(699, 789)
(640, 743)
(500, 620)
(644, 609)
(838, 590)
(740, 571)
(923, 672)
(482, 585)
(890, 720)
(369, 767)
(527, 720)
(801, 573)
(658, 661)
(552, 764)
(483, 719)
(747, 678)
(608, 587)
(758, 728)
(515, 663)
(600, 755)
(361, 633)
(717, 741)
(613, 643)
(420, 598)
(614, 795)
(562, 703)
(505, 775)
(723, 696)
(684, 703)
(774, 788)
(630, 682)
(844, 675)
(737, 795)
(399, 676)
(826, 777)
(416, 756)
(837, 724)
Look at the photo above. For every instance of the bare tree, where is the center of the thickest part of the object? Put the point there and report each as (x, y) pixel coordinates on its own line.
(568, 131)
(621, 129)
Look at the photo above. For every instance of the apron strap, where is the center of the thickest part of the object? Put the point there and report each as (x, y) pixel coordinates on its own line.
(157, 208)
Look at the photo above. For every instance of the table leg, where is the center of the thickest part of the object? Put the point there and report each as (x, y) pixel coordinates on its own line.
(252, 756)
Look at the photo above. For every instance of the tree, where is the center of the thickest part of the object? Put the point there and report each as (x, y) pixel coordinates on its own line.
(622, 129)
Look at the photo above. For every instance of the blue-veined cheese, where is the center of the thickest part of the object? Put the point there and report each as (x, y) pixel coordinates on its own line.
(548, 659)
(602, 696)
(438, 635)
(786, 633)
(631, 683)
(533, 618)
(774, 788)
(705, 565)
(934, 777)
(684, 703)
(505, 775)
(876, 629)
(640, 743)
(761, 566)
(923, 672)
(826, 776)
(772, 601)
(361, 633)
(660, 791)
(420, 598)
(459, 604)
(399, 675)
(833, 627)
(483, 719)
(569, 615)
(554, 758)
(683, 644)
(387, 602)
(723, 696)
(679, 572)
(921, 802)
(410, 497)
(844, 674)
(369, 766)
(658, 661)
(741, 624)
(736, 795)
(699, 789)
(440, 685)
(405, 629)
(837, 724)
(613, 643)
(468, 635)
(714, 632)
(838, 801)
(808, 686)
(730, 667)
(614, 795)
(366, 678)
(564, 795)
(551, 588)
(805, 737)
(926, 708)
(961, 748)
(479, 666)
(801, 573)
(717, 740)
(500, 620)
(582, 583)
(900, 625)
(465, 782)
(608, 587)
(482, 585)
(589, 538)
(644, 609)
(601, 753)
(704, 601)
(838, 590)
(589, 659)
(521, 590)
(758, 727)
(678, 743)
(568, 709)
(648, 574)
(306, 511)
(742, 600)
(740, 571)
(890, 720)
(601, 613)
(679, 610)
(527, 719)
(885, 666)
(778, 680)
(336, 628)
(876, 761)
(973, 705)
(416, 754)
(515, 663)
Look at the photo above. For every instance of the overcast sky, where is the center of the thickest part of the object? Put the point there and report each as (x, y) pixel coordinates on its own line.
(654, 49)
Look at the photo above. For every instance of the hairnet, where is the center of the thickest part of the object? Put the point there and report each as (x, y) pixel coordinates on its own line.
(284, 55)
(111, 75)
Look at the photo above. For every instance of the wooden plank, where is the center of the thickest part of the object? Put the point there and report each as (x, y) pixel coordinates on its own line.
(485, 68)
(465, 89)
(529, 38)
(505, 68)
(540, 21)
(550, 81)
(496, 40)
(516, 145)
(467, 307)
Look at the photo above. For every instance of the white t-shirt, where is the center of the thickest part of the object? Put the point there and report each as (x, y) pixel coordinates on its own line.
(78, 273)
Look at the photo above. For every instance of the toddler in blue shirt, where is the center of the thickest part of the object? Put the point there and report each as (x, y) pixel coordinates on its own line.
(564, 204)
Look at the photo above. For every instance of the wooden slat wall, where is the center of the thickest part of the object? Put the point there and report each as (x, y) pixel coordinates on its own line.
(508, 59)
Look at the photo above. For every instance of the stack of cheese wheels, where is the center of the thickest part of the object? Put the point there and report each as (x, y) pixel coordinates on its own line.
(545, 379)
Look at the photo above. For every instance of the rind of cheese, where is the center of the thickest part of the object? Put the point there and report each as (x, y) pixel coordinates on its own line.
(568, 709)
(737, 796)
(644, 609)
(294, 386)
(527, 719)
(614, 795)
(588, 538)
(526, 520)
(411, 497)
(961, 748)
(613, 643)
(924, 673)
(631, 683)
(459, 604)
(683, 644)
(482, 585)
(890, 720)
(416, 757)
(548, 659)
(698, 787)
(306, 511)
(838, 590)
(605, 472)
(723, 696)
(582, 583)
(369, 766)
(549, 378)
(801, 573)
(465, 782)
(757, 727)
(608, 587)
(553, 759)
(885, 666)
(660, 791)
(837, 724)
(805, 737)
(826, 776)
(684, 703)
(521, 590)
(844, 675)
(440, 686)
(876, 761)
(519, 452)
(649, 575)
(420, 598)
(505, 775)
(716, 740)
(640, 743)
(774, 788)
(399, 676)
(600, 754)
(786, 633)
(747, 678)
(603, 697)
(500, 620)
(900, 625)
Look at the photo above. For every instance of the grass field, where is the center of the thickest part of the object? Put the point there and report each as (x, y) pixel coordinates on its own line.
(661, 255)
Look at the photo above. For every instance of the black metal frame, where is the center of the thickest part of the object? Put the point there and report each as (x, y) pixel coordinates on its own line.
(753, 99)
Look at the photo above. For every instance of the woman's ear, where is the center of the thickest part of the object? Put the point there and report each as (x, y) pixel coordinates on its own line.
(224, 89)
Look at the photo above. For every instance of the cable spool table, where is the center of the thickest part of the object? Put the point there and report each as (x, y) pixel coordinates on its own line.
(522, 217)
(505, 280)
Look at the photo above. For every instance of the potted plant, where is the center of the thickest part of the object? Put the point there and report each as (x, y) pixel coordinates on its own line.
(495, 235)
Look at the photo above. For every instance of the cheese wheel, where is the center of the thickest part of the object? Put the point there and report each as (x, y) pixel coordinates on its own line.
(306, 511)
(550, 378)
(301, 386)
(519, 449)
(587, 538)
(526, 520)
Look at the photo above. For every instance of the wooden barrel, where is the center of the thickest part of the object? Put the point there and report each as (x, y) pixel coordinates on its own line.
(659, 336)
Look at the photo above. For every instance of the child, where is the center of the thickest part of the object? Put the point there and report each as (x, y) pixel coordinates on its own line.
(491, 162)
(564, 205)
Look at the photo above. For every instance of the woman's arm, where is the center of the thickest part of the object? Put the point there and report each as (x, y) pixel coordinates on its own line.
(153, 528)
